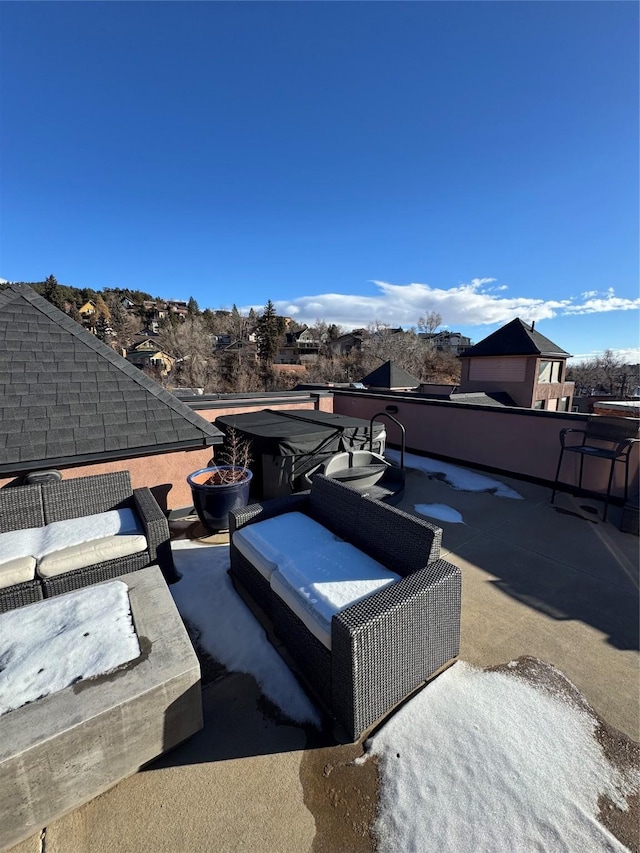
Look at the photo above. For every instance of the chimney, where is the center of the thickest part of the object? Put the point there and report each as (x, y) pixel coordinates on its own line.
(533, 325)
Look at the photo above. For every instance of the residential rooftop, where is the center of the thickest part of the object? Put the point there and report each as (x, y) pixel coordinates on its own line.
(553, 582)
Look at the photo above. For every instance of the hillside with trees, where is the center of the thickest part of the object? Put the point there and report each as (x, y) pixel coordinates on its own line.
(223, 351)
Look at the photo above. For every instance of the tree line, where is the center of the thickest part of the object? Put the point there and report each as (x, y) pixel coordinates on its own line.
(248, 362)
(605, 375)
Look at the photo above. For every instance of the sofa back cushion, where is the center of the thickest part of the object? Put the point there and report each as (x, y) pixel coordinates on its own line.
(86, 495)
(20, 507)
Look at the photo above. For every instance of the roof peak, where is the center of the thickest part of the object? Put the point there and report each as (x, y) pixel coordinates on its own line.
(515, 338)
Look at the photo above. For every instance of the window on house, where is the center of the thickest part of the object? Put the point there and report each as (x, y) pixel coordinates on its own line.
(539, 404)
(564, 404)
(549, 371)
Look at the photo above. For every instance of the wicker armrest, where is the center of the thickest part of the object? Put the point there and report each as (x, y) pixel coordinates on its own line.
(267, 509)
(386, 645)
(156, 528)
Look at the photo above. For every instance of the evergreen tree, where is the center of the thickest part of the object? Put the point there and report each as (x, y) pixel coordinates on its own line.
(102, 328)
(268, 334)
(192, 307)
(52, 292)
(74, 313)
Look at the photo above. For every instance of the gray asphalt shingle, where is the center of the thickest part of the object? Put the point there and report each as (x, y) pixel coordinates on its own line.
(63, 393)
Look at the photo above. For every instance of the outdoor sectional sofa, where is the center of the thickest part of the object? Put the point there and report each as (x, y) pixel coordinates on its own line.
(355, 591)
(59, 536)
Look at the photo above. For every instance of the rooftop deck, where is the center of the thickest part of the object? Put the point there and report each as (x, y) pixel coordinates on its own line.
(553, 582)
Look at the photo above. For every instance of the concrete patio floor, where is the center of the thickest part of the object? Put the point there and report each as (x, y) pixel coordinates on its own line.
(553, 582)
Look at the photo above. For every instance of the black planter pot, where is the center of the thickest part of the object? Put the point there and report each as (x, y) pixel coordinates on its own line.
(214, 502)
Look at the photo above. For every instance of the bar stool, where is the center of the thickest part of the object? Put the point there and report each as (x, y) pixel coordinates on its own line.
(621, 433)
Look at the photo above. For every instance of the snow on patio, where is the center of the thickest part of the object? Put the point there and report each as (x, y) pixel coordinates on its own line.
(49, 645)
(458, 478)
(441, 512)
(477, 761)
(227, 629)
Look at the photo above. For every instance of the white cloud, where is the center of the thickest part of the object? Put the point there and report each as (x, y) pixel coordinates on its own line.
(600, 303)
(475, 303)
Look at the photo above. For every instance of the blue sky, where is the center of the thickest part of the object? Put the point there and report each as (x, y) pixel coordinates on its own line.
(352, 161)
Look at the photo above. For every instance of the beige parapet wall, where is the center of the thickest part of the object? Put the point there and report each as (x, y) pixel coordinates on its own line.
(522, 442)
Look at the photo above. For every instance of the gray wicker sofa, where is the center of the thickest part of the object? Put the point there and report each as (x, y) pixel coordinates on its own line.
(377, 650)
(33, 509)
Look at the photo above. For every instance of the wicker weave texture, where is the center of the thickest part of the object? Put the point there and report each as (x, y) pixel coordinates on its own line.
(19, 595)
(35, 505)
(20, 508)
(267, 509)
(312, 657)
(385, 646)
(255, 584)
(86, 495)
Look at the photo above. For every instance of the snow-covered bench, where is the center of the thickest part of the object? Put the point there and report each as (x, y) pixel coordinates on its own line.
(59, 536)
(356, 592)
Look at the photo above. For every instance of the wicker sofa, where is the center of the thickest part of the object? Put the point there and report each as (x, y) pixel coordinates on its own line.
(377, 650)
(52, 508)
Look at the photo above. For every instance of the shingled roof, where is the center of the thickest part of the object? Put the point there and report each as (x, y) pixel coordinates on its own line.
(67, 397)
(390, 375)
(516, 338)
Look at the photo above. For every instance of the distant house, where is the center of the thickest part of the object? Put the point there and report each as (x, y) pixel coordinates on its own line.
(450, 342)
(301, 347)
(390, 376)
(345, 343)
(518, 360)
(87, 310)
(148, 353)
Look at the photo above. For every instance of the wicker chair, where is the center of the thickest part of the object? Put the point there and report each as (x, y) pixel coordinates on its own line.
(603, 437)
(22, 507)
(385, 646)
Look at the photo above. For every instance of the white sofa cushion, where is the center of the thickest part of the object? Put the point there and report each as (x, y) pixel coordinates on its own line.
(17, 570)
(76, 531)
(265, 544)
(76, 543)
(323, 577)
(89, 553)
(20, 543)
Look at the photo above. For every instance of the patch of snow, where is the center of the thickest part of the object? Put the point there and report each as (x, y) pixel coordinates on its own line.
(484, 762)
(228, 630)
(458, 478)
(440, 511)
(49, 645)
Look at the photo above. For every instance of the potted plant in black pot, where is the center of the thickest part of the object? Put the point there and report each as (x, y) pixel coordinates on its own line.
(218, 489)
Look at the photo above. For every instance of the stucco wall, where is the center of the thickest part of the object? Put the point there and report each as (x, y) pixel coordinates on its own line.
(165, 474)
(522, 442)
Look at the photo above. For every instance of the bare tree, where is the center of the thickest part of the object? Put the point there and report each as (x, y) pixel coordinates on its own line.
(430, 322)
(189, 343)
